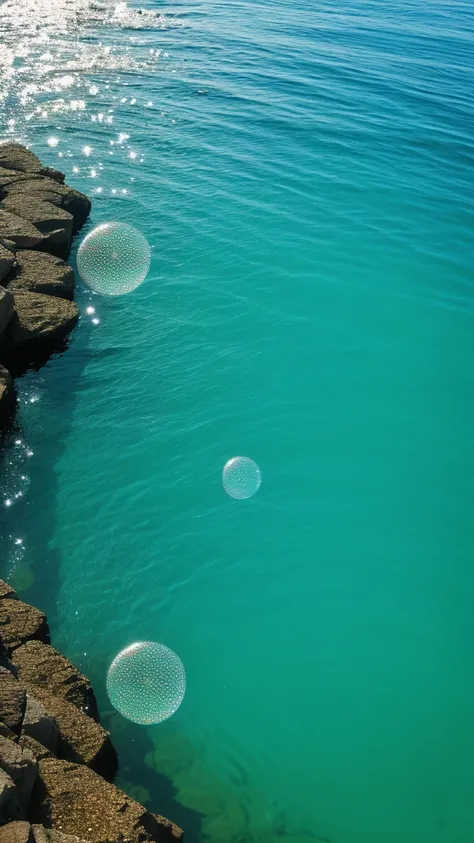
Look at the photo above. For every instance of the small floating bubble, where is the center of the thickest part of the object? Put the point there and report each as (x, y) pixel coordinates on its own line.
(241, 477)
(114, 259)
(146, 682)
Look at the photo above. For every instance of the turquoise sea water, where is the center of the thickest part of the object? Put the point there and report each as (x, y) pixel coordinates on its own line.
(304, 175)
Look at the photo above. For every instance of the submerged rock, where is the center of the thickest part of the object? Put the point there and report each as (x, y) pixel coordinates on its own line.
(19, 623)
(42, 665)
(7, 400)
(39, 272)
(81, 803)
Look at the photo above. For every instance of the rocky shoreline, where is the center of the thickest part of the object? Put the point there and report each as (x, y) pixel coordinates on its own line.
(39, 215)
(57, 763)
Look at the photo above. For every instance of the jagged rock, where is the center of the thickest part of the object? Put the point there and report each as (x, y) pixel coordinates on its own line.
(6, 308)
(39, 272)
(16, 832)
(39, 319)
(80, 738)
(38, 724)
(39, 751)
(19, 623)
(7, 259)
(10, 807)
(24, 234)
(14, 156)
(46, 190)
(40, 664)
(75, 798)
(12, 701)
(52, 221)
(5, 588)
(20, 764)
(7, 400)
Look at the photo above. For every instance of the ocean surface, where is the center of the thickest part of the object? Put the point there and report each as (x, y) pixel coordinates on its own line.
(304, 174)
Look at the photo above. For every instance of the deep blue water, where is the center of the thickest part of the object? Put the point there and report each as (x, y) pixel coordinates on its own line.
(304, 176)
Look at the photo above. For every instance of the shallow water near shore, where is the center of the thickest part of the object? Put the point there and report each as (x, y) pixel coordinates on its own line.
(304, 176)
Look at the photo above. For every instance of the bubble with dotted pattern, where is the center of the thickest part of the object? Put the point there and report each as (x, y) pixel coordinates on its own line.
(114, 259)
(146, 682)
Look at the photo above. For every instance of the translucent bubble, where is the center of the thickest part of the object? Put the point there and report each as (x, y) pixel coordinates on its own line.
(241, 477)
(146, 682)
(114, 258)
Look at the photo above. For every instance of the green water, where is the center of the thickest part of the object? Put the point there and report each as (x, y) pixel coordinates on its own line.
(309, 304)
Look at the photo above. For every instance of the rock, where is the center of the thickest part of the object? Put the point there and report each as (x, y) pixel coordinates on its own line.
(39, 751)
(10, 807)
(8, 244)
(15, 188)
(5, 588)
(40, 664)
(6, 308)
(52, 221)
(12, 701)
(20, 765)
(39, 272)
(19, 623)
(14, 156)
(7, 259)
(80, 738)
(7, 400)
(38, 724)
(16, 832)
(24, 234)
(52, 835)
(40, 319)
(75, 798)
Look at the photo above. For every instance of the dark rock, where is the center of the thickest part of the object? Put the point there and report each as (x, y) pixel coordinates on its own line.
(20, 765)
(39, 319)
(7, 402)
(5, 588)
(19, 623)
(16, 832)
(12, 701)
(38, 724)
(80, 802)
(39, 272)
(7, 259)
(81, 739)
(42, 665)
(24, 234)
(6, 308)
(10, 806)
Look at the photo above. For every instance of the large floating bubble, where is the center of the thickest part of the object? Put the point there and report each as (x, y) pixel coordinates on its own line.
(241, 477)
(114, 258)
(146, 682)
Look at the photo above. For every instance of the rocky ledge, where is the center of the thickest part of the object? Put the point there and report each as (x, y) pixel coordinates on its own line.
(39, 215)
(56, 761)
